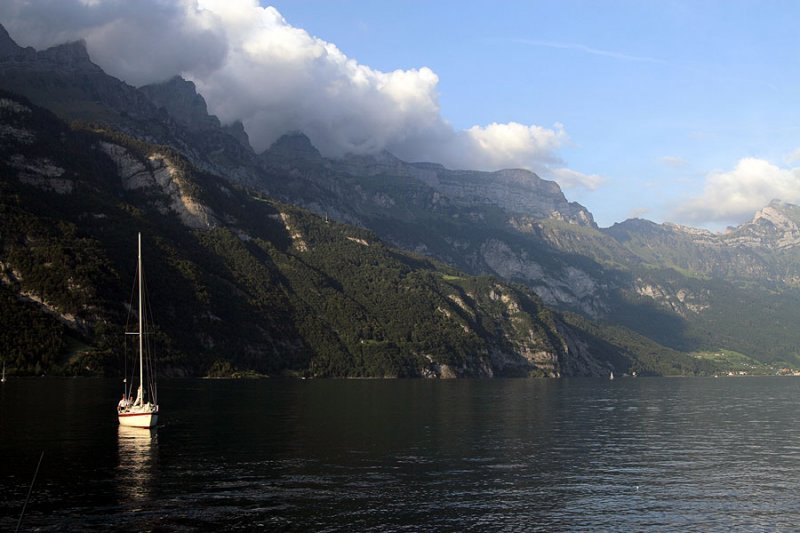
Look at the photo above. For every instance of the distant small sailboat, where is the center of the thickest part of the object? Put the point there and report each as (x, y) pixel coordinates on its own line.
(143, 411)
(3, 378)
(611, 376)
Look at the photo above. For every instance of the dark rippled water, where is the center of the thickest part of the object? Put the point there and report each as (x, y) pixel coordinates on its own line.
(510, 455)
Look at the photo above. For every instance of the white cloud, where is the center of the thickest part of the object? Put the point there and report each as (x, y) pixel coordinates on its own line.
(251, 65)
(734, 196)
(491, 147)
(499, 143)
(570, 179)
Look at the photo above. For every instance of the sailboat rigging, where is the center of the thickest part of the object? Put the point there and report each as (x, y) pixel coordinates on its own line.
(143, 411)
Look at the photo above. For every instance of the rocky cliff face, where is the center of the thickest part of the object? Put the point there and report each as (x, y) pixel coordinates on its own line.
(180, 99)
(561, 285)
(64, 80)
(775, 227)
(159, 173)
(514, 191)
(680, 300)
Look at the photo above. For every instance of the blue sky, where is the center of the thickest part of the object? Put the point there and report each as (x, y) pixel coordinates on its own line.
(655, 96)
(681, 111)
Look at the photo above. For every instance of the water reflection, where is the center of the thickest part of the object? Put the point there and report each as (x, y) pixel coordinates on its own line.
(137, 465)
(359, 455)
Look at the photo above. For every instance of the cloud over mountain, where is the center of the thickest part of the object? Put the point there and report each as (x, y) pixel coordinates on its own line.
(252, 65)
(138, 42)
(733, 196)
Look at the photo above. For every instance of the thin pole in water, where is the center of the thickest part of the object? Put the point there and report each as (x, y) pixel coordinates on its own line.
(30, 490)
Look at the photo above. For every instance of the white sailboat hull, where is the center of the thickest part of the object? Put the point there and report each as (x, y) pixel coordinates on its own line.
(138, 420)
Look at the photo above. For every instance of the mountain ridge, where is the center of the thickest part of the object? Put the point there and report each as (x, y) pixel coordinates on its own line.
(672, 285)
(241, 282)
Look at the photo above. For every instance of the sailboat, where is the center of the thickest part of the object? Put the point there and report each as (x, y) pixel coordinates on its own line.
(143, 411)
(3, 379)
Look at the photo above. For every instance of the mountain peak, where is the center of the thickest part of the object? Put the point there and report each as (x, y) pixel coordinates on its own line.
(9, 48)
(633, 228)
(175, 84)
(523, 177)
(777, 202)
(776, 226)
(294, 145)
(781, 215)
(72, 55)
(182, 101)
(68, 55)
(635, 224)
(7, 45)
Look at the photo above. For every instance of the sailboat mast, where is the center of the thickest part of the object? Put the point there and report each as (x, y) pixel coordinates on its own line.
(141, 324)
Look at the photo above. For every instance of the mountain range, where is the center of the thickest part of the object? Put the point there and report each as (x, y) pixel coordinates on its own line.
(289, 262)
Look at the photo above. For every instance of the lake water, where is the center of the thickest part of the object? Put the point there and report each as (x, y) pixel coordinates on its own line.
(406, 455)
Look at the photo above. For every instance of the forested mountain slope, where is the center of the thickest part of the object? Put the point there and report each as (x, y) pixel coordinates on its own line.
(222, 219)
(239, 281)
